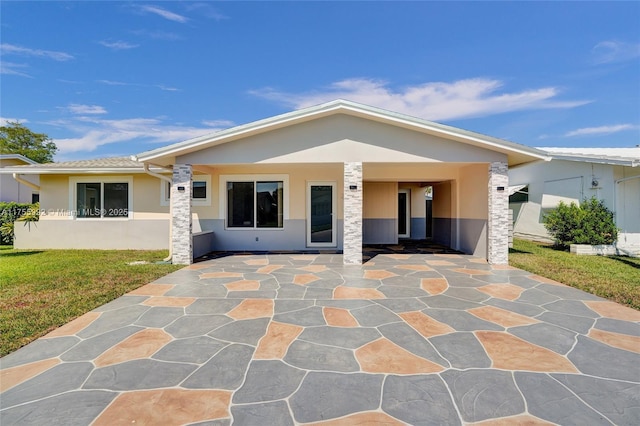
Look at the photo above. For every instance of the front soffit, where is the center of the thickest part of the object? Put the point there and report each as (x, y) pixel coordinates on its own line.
(190, 150)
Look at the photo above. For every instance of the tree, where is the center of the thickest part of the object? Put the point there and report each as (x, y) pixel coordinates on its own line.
(18, 139)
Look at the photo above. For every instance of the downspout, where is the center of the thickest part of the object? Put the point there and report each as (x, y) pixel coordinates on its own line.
(26, 182)
(167, 179)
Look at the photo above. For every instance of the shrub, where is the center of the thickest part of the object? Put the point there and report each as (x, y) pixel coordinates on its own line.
(590, 223)
(11, 212)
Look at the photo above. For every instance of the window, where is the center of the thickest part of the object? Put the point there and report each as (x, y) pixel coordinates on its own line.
(101, 198)
(200, 191)
(254, 202)
(35, 198)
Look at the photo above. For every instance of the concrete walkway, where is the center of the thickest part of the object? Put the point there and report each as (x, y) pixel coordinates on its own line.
(302, 339)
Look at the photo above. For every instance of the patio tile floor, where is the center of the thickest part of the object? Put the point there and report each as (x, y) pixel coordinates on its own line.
(302, 339)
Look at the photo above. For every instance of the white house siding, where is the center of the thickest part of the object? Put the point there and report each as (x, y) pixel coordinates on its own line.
(573, 181)
(11, 189)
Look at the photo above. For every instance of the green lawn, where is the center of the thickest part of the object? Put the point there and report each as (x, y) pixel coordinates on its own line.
(42, 290)
(615, 278)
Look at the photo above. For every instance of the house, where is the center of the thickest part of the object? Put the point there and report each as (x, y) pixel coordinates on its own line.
(332, 176)
(13, 190)
(575, 174)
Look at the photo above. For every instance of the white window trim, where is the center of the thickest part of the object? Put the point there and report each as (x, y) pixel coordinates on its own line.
(334, 213)
(164, 195)
(73, 194)
(252, 178)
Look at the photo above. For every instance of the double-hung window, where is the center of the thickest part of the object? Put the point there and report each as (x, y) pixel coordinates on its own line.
(98, 198)
(256, 203)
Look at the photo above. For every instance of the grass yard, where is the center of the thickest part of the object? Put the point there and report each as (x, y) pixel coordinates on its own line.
(616, 278)
(42, 290)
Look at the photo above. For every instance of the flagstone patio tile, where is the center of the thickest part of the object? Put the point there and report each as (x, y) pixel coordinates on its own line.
(549, 400)
(113, 320)
(222, 274)
(470, 271)
(335, 395)
(282, 306)
(442, 301)
(159, 317)
(361, 419)
(304, 279)
(462, 320)
(248, 331)
(226, 370)
(241, 285)
(374, 315)
(601, 360)
(252, 308)
(11, 377)
(461, 350)
(545, 280)
(526, 309)
(470, 294)
(377, 274)
(71, 408)
(520, 420)
(143, 344)
(74, 326)
(618, 326)
(194, 350)
(200, 289)
(121, 302)
(512, 353)
(135, 375)
(502, 316)
(548, 336)
(169, 301)
(402, 305)
(266, 413)
(289, 291)
(383, 356)
(502, 291)
(39, 350)
(212, 306)
(348, 338)
(269, 269)
(66, 376)
(580, 325)
(196, 325)
(311, 356)
(158, 406)
(338, 317)
(617, 340)
(407, 338)
(536, 297)
(617, 400)
(305, 317)
(268, 381)
(569, 293)
(614, 310)
(484, 394)
(343, 292)
(318, 293)
(426, 325)
(276, 341)
(420, 399)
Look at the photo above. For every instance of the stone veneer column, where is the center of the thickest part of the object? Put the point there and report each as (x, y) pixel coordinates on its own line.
(498, 221)
(352, 212)
(181, 238)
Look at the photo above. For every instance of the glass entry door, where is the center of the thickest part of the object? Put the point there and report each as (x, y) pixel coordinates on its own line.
(321, 214)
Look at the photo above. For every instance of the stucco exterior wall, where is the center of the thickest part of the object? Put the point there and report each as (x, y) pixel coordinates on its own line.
(443, 213)
(12, 190)
(473, 210)
(380, 213)
(571, 181)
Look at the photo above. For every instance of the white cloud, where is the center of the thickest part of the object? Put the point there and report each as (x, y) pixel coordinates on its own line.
(476, 97)
(158, 35)
(11, 68)
(5, 120)
(164, 13)
(167, 88)
(86, 109)
(118, 45)
(95, 132)
(113, 83)
(221, 124)
(601, 130)
(615, 51)
(11, 49)
(206, 10)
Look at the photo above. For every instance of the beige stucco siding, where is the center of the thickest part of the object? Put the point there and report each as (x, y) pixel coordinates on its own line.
(337, 139)
(473, 209)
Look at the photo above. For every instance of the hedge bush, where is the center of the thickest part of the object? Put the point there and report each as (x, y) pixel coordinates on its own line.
(11, 212)
(590, 223)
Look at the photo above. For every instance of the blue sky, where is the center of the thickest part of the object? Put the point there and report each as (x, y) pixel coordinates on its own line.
(119, 78)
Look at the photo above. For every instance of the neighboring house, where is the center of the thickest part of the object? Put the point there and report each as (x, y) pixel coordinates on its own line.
(11, 189)
(332, 176)
(575, 174)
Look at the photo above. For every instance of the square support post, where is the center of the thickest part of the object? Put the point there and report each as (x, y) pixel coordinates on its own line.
(498, 220)
(352, 224)
(181, 232)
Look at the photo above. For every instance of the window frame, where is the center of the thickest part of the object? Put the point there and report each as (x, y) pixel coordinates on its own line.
(73, 195)
(165, 188)
(255, 179)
